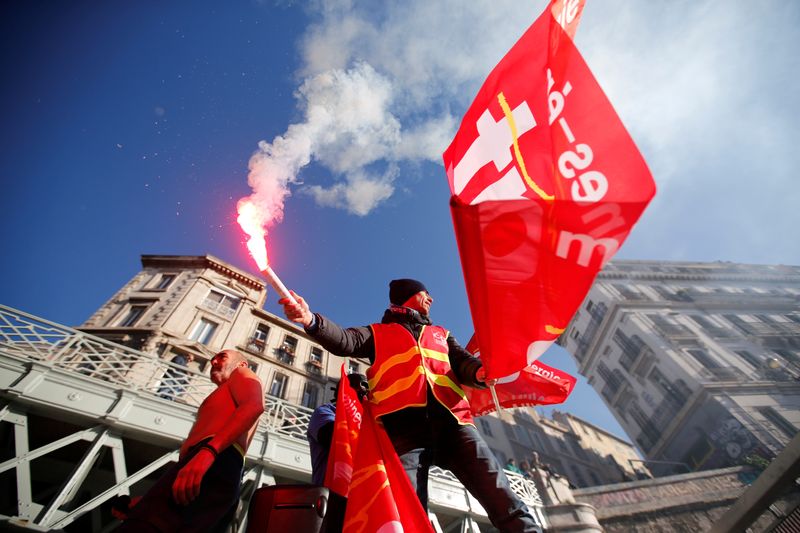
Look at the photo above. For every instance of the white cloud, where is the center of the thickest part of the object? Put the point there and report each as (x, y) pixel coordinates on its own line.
(348, 117)
(359, 194)
(346, 126)
(707, 90)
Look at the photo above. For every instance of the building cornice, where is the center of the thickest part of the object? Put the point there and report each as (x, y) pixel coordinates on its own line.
(203, 261)
(719, 271)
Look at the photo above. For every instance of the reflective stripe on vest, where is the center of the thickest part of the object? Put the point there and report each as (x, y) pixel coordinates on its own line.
(404, 368)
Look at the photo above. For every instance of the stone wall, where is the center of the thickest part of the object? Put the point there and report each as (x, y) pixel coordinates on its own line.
(688, 502)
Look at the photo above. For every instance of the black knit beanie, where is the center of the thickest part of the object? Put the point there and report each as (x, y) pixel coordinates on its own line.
(400, 290)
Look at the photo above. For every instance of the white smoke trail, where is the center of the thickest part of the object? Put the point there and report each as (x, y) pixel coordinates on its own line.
(352, 112)
(347, 126)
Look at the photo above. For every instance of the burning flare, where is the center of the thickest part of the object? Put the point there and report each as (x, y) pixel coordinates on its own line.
(251, 222)
(250, 219)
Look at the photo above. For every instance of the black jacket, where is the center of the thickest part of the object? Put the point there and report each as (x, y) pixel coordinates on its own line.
(359, 342)
(408, 428)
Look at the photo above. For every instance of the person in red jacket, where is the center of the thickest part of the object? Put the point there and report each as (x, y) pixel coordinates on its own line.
(416, 389)
(200, 492)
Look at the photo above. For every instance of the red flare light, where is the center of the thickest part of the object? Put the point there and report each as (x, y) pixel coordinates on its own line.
(251, 222)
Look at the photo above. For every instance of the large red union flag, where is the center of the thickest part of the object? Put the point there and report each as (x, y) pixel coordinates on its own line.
(546, 185)
(382, 499)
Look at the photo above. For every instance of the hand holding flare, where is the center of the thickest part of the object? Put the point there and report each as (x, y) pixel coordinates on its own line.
(278, 285)
(296, 309)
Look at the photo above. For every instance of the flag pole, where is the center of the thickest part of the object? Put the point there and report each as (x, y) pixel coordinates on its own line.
(494, 396)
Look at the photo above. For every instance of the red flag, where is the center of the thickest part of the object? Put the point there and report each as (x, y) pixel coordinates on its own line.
(536, 384)
(546, 186)
(346, 425)
(381, 496)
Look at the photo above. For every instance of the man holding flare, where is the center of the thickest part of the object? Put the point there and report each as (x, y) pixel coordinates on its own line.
(415, 381)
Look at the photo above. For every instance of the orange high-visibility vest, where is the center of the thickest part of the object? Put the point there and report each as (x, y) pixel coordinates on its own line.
(404, 367)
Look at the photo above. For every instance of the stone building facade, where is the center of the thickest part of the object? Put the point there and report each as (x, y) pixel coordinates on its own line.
(699, 362)
(566, 445)
(199, 305)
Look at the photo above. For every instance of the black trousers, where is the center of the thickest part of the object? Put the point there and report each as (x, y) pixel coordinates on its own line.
(430, 435)
(211, 511)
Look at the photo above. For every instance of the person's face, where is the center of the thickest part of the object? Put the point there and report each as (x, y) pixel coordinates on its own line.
(222, 366)
(362, 388)
(420, 302)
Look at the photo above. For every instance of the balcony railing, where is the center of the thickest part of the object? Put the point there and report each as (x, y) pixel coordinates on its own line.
(284, 355)
(725, 373)
(221, 308)
(256, 345)
(314, 367)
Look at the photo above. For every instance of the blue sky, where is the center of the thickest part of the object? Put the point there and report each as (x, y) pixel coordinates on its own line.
(127, 128)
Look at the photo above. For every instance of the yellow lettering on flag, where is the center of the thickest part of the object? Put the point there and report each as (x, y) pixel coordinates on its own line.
(517, 154)
(554, 330)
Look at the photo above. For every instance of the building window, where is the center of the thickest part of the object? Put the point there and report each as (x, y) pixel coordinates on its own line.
(310, 394)
(631, 347)
(522, 435)
(702, 357)
(221, 303)
(650, 433)
(699, 452)
(486, 427)
(562, 444)
(710, 325)
(614, 380)
(258, 342)
(314, 364)
(630, 291)
(577, 448)
(285, 353)
(669, 327)
(579, 480)
(778, 421)
(788, 355)
(751, 359)
(133, 315)
(165, 281)
(660, 380)
(203, 331)
(353, 367)
(278, 387)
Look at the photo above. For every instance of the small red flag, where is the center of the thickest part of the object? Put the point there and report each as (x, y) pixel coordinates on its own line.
(381, 496)
(546, 185)
(346, 426)
(536, 384)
